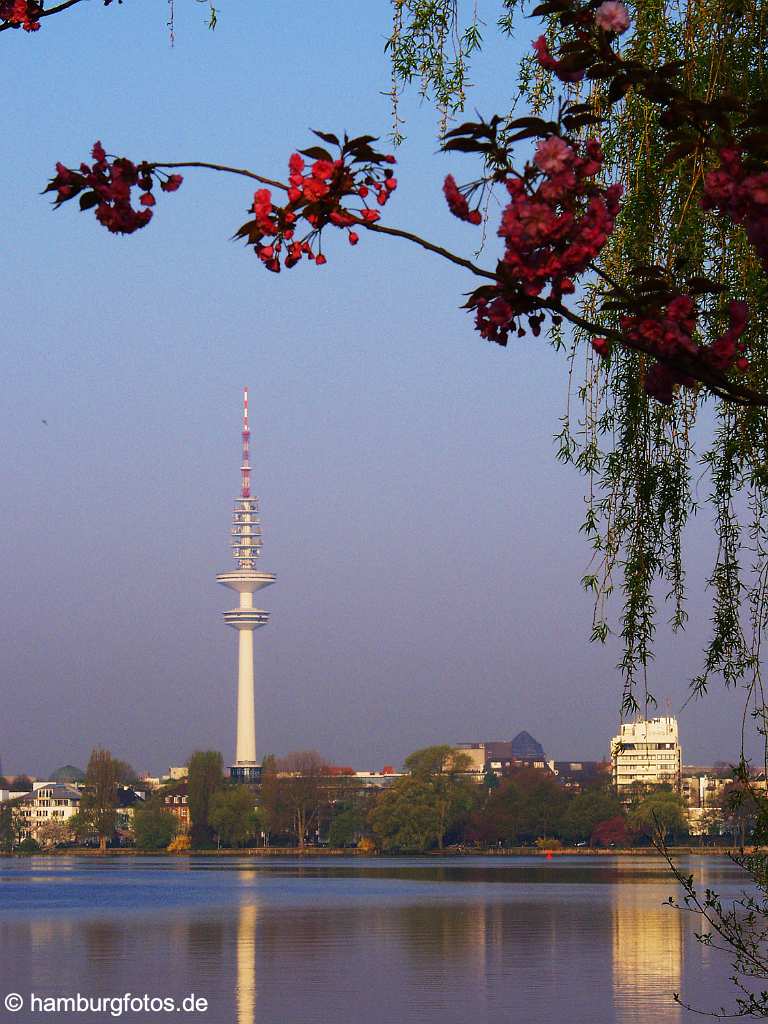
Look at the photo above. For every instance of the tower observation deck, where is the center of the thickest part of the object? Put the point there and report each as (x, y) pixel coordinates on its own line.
(245, 579)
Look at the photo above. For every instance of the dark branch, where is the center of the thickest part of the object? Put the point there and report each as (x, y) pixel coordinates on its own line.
(46, 14)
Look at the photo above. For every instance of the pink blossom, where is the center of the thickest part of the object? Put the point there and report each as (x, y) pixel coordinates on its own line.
(553, 155)
(612, 17)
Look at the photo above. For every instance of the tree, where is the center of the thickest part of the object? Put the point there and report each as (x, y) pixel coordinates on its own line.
(528, 804)
(232, 815)
(273, 807)
(741, 809)
(153, 827)
(613, 832)
(300, 786)
(660, 812)
(22, 783)
(98, 803)
(586, 810)
(206, 776)
(672, 273)
(126, 774)
(418, 809)
(12, 825)
(443, 770)
(349, 815)
(53, 833)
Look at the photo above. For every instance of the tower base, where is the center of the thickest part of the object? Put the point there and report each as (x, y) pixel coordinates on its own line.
(245, 773)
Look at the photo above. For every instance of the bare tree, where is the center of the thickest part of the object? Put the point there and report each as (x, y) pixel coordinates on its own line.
(303, 782)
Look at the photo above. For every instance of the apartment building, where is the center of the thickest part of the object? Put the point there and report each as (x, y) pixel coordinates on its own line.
(645, 754)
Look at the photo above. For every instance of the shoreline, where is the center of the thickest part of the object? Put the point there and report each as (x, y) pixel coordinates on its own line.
(315, 852)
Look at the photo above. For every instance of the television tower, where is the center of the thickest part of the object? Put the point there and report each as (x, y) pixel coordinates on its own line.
(245, 580)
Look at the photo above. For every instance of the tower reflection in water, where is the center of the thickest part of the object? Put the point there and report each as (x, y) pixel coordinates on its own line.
(245, 984)
(647, 955)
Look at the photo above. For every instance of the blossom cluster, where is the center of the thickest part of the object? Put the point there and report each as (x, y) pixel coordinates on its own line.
(669, 333)
(458, 203)
(320, 193)
(106, 187)
(733, 191)
(21, 13)
(26, 13)
(557, 221)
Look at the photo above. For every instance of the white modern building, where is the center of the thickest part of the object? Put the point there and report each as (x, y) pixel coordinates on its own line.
(245, 580)
(48, 802)
(645, 754)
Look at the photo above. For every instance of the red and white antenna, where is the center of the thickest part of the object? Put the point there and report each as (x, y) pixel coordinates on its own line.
(245, 468)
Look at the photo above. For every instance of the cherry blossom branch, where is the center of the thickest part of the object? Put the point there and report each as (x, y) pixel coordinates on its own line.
(378, 228)
(322, 197)
(717, 383)
(43, 13)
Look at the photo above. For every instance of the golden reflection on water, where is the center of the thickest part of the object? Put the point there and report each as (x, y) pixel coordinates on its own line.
(647, 955)
(245, 984)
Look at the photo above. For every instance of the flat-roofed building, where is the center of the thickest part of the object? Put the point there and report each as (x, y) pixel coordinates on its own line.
(646, 754)
(704, 795)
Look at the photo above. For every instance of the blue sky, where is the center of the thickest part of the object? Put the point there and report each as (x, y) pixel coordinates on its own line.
(425, 541)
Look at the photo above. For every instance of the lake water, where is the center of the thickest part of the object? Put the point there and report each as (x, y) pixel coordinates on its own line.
(378, 941)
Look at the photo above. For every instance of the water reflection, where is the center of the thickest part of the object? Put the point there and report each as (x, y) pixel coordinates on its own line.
(245, 989)
(647, 956)
(385, 942)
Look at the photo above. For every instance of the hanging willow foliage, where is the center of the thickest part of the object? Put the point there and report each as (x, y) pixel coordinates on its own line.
(643, 460)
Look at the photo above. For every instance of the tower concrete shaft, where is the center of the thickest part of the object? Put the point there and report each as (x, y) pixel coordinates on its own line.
(245, 580)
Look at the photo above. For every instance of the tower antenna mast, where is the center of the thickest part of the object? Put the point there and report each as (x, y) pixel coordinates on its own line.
(245, 468)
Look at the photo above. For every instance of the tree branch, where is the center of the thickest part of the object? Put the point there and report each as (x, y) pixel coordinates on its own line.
(458, 260)
(378, 228)
(715, 382)
(242, 171)
(45, 14)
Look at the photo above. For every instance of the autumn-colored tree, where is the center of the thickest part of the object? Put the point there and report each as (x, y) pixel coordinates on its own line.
(613, 832)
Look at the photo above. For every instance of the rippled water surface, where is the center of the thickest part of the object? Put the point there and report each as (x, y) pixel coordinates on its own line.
(377, 941)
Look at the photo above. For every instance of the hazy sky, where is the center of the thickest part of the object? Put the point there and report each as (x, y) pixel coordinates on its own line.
(425, 541)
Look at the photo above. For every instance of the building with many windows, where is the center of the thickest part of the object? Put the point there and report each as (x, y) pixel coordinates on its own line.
(49, 802)
(645, 754)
